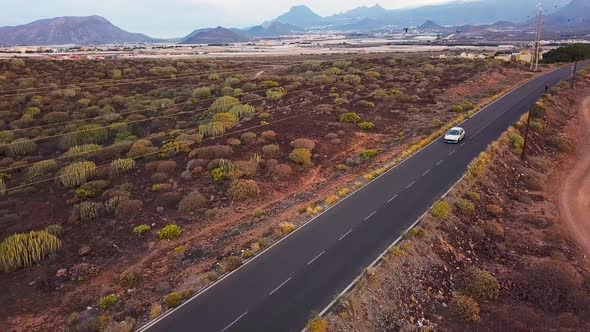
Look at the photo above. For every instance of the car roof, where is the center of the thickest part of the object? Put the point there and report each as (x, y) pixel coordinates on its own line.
(456, 128)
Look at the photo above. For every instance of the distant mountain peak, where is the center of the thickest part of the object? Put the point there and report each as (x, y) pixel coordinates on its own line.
(69, 30)
(219, 35)
(301, 16)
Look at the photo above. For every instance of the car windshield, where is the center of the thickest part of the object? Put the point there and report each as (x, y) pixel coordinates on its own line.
(454, 132)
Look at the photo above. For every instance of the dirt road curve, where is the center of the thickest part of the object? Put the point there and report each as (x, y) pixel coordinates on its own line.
(574, 197)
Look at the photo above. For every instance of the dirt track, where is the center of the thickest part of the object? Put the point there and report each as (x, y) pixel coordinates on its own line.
(574, 196)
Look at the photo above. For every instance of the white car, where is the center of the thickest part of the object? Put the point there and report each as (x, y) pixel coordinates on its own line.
(455, 135)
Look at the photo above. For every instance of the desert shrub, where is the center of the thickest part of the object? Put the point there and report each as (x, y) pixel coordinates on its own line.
(268, 135)
(174, 299)
(6, 136)
(286, 228)
(479, 165)
(55, 230)
(169, 199)
(81, 152)
(231, 263)
(331, 200)
(170, 232)
(246, 168)
(40, 168)
(212, 152)
(275, 94)
(441, 210)
(516, 142)
(537, 126)
(481, 285)
(90, 210)
(141, 148)
(228, 120)
(26, 249)
(56, 117)
(171, 149)
(138, 230)
(317, 325)
(495, 230)
(121, 166)
(538, 111)
(21, 147)
(212, 129)
(242, 111)
(271, 150)
(352, 79)
(366, 125)
(224, 104)
(466, 207)
(131, 279)
(301, 156)
(155, 310)
(560, 143)
(202, 92)
(365, 104)
(303, 143)
(2, 188)
(368, 154)
(280, 171)
(243, 189)
(88, 134)
(350, 117)
(77, 173)
(472, 195)
(113, 202)
(465, 308)
(108, 301)
(192, 202)
(341, 101)
(128, 208)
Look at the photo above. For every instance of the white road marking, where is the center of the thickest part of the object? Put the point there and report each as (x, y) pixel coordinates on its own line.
(281, 285)
(391, 199)
(235, 321)
(428, 171)
(450, 154)
(316, 257)
(411, 184)
(343, 236)
(440, 162)
(369, 216)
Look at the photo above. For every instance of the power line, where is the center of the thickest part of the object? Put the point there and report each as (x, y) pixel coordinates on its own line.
(127, 142)
(37, 139)
(207, 139)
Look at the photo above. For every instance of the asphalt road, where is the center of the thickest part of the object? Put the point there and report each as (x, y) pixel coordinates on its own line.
(281, 289)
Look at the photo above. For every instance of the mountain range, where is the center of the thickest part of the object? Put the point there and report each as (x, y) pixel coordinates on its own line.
(563, 15)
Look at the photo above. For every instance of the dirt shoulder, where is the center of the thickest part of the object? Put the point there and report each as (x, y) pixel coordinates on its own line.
(501, 251)
(574, 194)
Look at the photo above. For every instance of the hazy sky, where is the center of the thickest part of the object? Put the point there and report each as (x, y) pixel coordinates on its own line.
(176, 18)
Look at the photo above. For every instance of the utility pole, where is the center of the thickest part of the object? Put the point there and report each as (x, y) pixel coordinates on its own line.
(574, 73)
(537, 47)
(526, 134)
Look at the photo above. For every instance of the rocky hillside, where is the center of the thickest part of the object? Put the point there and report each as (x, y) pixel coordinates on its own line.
(68, 30)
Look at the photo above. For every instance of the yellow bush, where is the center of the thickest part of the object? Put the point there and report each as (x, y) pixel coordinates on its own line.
(442, 210)
(286, 227)
(301, 156)
(26, 249)
(317, 325)
(331, 200)
(77, 173)
(122, 166)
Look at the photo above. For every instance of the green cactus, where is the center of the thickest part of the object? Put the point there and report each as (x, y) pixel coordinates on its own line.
(77, 173)
(26, 249)
(122, 166)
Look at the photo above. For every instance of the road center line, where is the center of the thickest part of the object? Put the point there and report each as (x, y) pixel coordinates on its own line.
(391, 199)
(428, 171)
(411, 184)
(235, 321)
(278, 287)
(315, 258)
(440, 162)
(343, 236)
(450, 154)
(369, 216)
